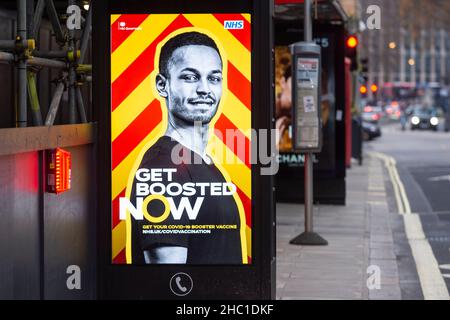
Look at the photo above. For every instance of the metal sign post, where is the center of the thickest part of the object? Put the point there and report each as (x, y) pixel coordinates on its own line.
(307, 123)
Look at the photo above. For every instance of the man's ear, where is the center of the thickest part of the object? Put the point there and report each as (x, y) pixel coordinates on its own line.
(161, 85)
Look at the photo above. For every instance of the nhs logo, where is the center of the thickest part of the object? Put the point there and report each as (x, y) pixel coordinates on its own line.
(233, 24)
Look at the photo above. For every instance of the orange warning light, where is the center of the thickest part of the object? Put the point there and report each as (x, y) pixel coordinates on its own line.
(58, 170)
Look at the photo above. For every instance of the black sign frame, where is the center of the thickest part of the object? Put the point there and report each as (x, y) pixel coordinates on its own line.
(253, 281)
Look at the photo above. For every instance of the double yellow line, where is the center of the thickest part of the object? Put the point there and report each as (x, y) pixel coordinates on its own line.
(399, 189)
(430, 277)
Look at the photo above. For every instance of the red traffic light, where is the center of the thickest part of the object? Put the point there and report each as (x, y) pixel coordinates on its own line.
(374, 88)
(363, 89)
(352, 42)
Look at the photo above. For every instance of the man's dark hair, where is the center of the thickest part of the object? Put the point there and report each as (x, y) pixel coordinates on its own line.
(181, 40)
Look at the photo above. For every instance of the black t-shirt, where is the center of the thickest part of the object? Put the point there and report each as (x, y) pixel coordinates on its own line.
(216, 246)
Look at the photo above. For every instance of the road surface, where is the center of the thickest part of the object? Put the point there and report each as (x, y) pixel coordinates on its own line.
(423, 164)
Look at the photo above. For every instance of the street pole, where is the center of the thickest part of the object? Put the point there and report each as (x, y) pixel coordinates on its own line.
(309, 185)
(309, 196)
(309, 237)
(307, 23)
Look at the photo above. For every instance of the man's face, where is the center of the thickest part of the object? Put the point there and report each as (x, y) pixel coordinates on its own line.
(194, 85)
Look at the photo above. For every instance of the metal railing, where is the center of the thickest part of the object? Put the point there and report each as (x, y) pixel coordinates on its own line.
(28, 61)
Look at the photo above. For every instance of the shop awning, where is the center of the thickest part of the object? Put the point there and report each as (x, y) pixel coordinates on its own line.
(327, 10)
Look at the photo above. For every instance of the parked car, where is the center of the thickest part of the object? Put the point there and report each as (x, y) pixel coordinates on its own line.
(370, 115)
(424, 118)
(393, 111)
(374, 109)
(371, 130)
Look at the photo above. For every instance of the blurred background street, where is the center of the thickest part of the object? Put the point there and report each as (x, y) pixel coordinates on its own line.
(397, 207)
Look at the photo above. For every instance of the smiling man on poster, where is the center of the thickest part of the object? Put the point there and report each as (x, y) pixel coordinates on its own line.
(185, 211)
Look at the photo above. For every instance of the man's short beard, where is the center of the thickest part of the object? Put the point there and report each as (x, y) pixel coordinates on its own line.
(190, 117)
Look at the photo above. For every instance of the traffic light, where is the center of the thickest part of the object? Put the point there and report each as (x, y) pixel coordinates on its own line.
(364, 68)
(352, 42)
(351, 51)
(363, 89)
(374, 88)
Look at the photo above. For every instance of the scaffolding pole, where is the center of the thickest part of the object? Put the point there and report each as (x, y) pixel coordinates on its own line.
(16, 45)
(6, 57)
(54, 105)
(34, 99)
(85, 36)
(7, 44)
(42, 62)
(54, 19)
(27, 60)
(38, 11)
(57, 54)
(72, 74)
(80, 104)
(21, 118)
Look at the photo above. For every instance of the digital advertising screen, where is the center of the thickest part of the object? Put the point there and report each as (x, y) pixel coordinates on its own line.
(181, 139)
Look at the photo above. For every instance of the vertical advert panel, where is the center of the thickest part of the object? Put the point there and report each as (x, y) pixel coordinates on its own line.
(325, 160)
(181, 139)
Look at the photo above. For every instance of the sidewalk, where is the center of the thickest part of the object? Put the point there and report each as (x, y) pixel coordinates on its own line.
(359, 235)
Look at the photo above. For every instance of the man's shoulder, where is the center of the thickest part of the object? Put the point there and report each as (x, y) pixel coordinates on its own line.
(159, 155)
(160, 152)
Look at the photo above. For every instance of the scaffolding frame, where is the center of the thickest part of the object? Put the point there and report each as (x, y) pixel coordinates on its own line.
(28, 60)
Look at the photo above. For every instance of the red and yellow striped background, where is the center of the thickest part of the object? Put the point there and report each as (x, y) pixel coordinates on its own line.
(138, 118)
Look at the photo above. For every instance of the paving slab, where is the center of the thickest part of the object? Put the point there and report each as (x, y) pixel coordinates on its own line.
(359, 236)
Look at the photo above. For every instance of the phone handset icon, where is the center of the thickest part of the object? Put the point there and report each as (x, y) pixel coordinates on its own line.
(178, 283)
(181, 284)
